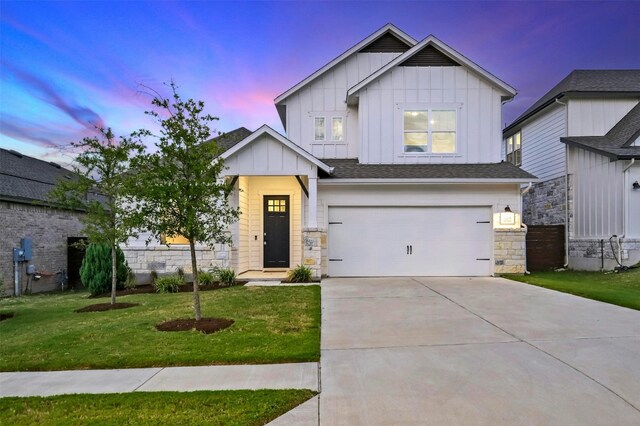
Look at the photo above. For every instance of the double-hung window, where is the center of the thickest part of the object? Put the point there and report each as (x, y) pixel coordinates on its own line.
(328, 129)
(429, 130)
(319, 129)
(513, 149)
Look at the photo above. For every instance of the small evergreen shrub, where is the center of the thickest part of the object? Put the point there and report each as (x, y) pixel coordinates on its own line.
(153, 276)
(206, 277)
(301, 274)
(226, 276)
(95, 271)
(131, 280)
(180, 272)
(168, 284)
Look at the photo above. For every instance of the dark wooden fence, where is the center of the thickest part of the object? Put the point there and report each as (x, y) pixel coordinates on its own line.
(545, 247)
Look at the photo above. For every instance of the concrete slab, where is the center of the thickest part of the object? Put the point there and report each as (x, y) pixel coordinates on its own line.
(486, 384)
(374, 287)
(613, 362)
(386, 322)
(45, 383)
(305, 414)
(535, 313)
(233, 377)
(277, 284)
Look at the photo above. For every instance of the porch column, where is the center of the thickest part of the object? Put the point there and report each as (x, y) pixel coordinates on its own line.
(313, 202)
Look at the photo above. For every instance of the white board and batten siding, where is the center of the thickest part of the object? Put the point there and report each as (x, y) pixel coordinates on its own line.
(326, 97)
(543, 155)
(478, 103)
(595, 117)
(268, 157)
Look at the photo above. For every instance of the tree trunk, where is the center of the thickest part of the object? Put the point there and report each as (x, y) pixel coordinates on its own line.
(114, 273)
(196, 281)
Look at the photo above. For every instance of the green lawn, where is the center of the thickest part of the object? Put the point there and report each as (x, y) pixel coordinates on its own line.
(153, 408)
(621, 289)
(272, 325)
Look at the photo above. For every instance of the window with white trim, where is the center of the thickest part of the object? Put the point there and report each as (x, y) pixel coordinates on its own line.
(319, 129)
(337, 133)
(429, 130)
(513, 149)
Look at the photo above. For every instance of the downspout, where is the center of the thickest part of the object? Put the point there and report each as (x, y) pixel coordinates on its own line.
(566, 187)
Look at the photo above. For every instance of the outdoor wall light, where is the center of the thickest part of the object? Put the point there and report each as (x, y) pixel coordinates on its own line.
(636, 185)
(507, 217)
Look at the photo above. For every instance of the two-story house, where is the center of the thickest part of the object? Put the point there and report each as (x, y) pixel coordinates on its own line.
(581, 140)
(391, 165)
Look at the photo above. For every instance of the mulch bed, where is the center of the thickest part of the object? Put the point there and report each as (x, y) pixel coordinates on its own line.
(205, 325)
(148, 288)
(99, 307)
(6, 315)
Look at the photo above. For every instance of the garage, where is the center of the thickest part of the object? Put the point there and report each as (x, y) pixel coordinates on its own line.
(409, 241)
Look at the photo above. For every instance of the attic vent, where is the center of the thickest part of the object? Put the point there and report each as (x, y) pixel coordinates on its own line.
(388, 43)
(16, 153)
(429, 57)
(56, 165)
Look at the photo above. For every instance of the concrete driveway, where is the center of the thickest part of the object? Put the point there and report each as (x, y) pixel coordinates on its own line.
(448, 351)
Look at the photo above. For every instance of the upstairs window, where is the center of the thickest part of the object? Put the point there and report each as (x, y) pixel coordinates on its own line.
(336, 129)
(430, 131)
(514, 149)
(319, 132)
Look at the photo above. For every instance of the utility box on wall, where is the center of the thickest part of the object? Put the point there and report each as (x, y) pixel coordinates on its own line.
(25, 244)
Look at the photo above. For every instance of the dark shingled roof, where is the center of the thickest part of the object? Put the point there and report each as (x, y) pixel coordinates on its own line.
(351, 169)
(584, 81)
(27, 179)
(615, 143)
(229, 139)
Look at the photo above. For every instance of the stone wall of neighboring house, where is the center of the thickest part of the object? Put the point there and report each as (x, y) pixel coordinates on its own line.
(544, 203)
(587, 254)
(166, 260)
(510, 251)
(49, 229)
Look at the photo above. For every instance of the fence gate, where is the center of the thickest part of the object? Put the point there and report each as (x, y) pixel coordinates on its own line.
(545, 247)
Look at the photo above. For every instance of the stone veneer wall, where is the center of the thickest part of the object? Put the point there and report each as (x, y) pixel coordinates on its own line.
(49, 229)
(165, 260)
(314, 251)
(585, 254)
(510, 251)
(544, 203)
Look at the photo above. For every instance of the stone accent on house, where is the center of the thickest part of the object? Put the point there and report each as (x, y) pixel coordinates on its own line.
(165, 260)
(544, 203)
(510, 251)
(314, 251)
(588, 254)
(48, 229)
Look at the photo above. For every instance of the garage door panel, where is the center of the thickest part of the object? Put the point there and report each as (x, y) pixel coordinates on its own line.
(373, 241)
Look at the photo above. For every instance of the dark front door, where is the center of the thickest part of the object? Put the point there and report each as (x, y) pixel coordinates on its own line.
(276, 231)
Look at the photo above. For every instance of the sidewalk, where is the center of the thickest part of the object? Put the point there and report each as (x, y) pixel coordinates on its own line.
(183, 379)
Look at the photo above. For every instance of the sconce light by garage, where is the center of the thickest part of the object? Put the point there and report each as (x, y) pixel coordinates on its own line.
(507, 217)
(636, 185)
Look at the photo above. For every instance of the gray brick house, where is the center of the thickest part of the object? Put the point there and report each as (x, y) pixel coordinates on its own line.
(25, 213)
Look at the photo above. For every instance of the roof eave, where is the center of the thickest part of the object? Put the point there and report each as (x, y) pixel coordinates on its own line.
(589, 148)
(395, 181)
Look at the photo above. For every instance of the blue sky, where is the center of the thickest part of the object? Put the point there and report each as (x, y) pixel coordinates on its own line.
(67, 65)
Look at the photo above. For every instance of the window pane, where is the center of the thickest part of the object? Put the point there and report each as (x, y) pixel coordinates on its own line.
(516, 141)
(319, 131)
(518, 157)
(510, 145)
(415, 120)
(336, 129)
(443, 142)
(415, 142)
(443, 120)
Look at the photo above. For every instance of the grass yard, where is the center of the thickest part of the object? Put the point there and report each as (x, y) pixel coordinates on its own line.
(621, 289)
(272, 325)
(153, 408)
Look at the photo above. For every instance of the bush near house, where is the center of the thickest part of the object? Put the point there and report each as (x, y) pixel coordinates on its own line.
(168, 284)
(301, 274)
(95, 271)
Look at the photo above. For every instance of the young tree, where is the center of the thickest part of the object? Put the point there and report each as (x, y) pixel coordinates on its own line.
(180, 188)
(99, 189)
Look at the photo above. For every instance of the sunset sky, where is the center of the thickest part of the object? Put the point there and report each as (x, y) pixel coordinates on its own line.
(66, 66)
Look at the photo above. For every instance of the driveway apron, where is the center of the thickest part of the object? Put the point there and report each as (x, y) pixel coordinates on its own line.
(474, 351)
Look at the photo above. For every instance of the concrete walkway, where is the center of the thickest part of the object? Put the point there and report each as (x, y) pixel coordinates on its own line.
(217, 377)
(485, 351)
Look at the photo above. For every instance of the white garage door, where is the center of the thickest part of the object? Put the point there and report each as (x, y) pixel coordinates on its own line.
(406, 241)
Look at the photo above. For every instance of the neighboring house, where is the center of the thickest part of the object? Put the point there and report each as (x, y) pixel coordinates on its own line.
(26, 214)
(581, 140)
(391, 165)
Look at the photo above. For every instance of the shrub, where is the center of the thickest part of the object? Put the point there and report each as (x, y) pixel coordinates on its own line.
(180, 272)
(131, 280)
(206, 278)
(95, 271)
(153, 276)
(226, 276)
(301, 274)
(168, 284)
